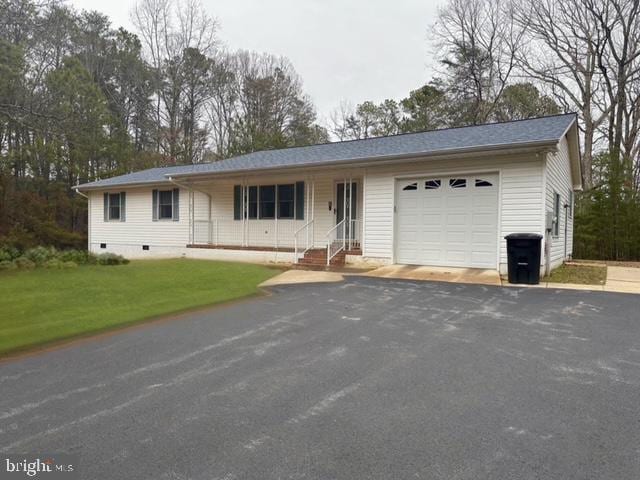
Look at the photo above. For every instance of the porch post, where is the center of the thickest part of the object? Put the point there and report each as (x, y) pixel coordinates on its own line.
(192, 217)
(350, 209)
(210, 229)
(313, 202)
(275, 212)
(242, 209)
(344, 212)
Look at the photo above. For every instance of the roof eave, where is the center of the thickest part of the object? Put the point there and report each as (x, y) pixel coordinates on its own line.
(542, 144)
(87, 187)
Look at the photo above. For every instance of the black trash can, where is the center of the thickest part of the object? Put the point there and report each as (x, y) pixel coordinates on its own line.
(523, 252)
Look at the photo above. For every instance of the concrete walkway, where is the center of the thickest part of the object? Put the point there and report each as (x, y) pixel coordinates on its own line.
(622, 279)
(619, 279)
(292, 277)
(437, 274)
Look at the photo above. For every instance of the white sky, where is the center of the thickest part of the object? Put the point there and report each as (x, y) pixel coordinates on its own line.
(352, 50)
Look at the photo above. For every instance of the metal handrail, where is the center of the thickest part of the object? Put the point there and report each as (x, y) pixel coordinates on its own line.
(331, 242)
(308, 245)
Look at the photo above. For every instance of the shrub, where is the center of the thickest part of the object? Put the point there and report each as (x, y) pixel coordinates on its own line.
(111, 259)
(8, 253)
(23, 263)
(7, 265)
(41, 255)
(53, 263)
(69, 264)
(81, 257)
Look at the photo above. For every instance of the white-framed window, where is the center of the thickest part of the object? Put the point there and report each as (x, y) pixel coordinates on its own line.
(556, 214)
(266, 202)
(458, 183)
(166, 204)
(432, 184)
(114, 207)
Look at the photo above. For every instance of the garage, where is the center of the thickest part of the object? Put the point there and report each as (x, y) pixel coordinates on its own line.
(448, 221)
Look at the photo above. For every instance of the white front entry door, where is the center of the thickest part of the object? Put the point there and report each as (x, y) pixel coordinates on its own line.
(448, 221)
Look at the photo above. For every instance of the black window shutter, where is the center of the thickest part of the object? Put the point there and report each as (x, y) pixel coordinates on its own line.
(106, 207)
(175, 211)
(123, 206)
(237, 202)
(299, 200)
(154, 206)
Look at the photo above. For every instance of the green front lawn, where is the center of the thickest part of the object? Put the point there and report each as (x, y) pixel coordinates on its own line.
(42, 306)
(580, 274)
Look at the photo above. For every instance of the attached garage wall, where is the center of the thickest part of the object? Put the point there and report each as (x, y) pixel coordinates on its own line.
(558, 179)
(520, 198)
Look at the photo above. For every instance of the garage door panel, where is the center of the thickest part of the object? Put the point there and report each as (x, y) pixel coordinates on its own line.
(456, 219)
(448, 226)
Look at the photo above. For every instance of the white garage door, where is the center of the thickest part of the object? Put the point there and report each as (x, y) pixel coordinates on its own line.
(448, 221)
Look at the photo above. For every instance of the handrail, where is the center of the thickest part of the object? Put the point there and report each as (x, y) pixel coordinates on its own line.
(295, 239)
(330, 242)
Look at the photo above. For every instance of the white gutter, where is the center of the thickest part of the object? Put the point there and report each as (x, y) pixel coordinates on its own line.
(80, 193)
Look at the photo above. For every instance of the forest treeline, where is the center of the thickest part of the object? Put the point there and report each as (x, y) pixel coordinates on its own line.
(82, 99)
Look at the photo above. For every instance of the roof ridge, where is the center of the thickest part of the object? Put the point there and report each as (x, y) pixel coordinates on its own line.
(395, 135)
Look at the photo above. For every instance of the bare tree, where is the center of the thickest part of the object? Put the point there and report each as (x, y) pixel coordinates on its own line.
(561, 52)
(618, 58)
(173, 34)
(477, 42)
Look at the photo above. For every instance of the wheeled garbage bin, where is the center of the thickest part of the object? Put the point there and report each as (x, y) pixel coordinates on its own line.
(523, 253)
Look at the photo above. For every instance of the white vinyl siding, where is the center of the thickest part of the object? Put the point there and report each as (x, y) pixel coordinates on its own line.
(558, 180)
(520, 197)
(139, 228)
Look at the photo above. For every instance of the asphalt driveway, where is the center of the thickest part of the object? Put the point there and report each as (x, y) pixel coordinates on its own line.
(370, 378)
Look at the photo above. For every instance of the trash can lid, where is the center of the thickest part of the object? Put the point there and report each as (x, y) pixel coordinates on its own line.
(523, 236)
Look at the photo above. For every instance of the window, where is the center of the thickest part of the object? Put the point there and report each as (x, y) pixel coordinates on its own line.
(114, 207)
(411, 186)
(483, 183)
(252, 205)
(268, 201)
(556, 214)
(432, 184)
(458, 182)
(166, 204)
(286, 195)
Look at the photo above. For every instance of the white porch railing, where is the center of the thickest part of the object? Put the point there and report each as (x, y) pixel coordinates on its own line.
(335, 240)
(344, 236)
(250, 233)
(303, 239)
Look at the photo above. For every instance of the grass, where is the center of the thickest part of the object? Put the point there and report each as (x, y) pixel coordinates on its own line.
(42, 306)
(580, 274)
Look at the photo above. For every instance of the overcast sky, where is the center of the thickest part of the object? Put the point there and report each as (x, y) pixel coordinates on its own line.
(352, 50)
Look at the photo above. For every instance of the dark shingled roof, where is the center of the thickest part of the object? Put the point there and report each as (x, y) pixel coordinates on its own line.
(535, 131)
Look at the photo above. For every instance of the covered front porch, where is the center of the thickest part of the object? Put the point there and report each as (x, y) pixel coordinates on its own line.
(278, 213)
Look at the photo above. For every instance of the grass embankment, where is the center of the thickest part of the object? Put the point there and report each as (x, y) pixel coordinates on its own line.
(42, 306)
(578, 274)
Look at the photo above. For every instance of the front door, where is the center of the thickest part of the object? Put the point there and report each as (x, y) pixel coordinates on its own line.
(348, 206)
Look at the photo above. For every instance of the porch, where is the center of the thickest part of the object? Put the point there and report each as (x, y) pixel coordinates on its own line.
(298, 215)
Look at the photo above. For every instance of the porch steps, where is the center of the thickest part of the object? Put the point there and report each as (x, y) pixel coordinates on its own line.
(317, 257)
